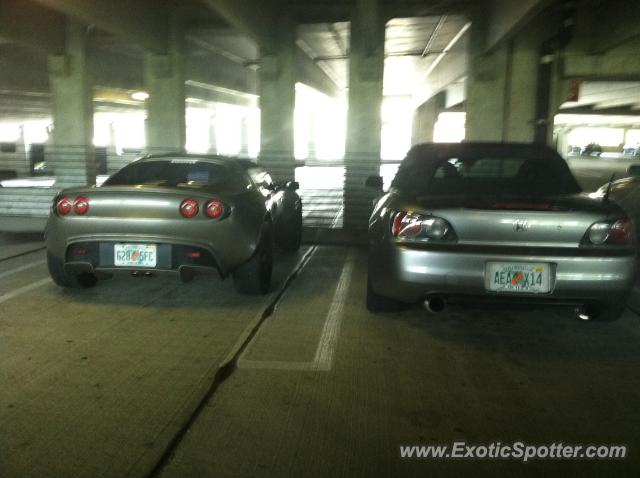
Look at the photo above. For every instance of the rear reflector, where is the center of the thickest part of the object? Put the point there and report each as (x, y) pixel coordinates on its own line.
(81, 205)
(214, 209)
(64, 205)
(189, 208)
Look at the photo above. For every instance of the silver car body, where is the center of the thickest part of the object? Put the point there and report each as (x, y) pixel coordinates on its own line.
(548, 230)
(150, 214)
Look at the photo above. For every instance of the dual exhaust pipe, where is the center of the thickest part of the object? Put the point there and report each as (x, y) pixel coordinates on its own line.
(435, 304)
(140, 274)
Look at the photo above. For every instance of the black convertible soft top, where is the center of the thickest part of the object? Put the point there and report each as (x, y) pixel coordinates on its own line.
(448, 168)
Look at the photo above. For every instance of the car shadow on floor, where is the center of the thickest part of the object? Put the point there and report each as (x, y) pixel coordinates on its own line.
(205, 290)
(542, 332)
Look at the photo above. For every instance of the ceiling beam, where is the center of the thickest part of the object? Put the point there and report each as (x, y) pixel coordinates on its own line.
(32, 26)
(617, 24)
(254, 18)
(141, 22)
(506, 18)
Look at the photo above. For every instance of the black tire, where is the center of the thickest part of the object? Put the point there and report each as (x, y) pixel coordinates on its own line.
(254, 276)
(378, 303)
(61, 278)
(601, 312)
(290, 232)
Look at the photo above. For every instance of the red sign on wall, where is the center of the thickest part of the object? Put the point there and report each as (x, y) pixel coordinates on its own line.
(573, 94)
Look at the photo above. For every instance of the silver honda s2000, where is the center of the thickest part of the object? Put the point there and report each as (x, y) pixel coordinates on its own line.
(497, 222)
(174, 214)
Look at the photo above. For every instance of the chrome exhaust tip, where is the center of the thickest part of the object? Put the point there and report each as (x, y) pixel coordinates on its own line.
(586, 312)
(435, 304)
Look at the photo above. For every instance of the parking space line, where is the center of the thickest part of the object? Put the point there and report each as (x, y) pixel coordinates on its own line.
(23, 290)
(21, 268)
(329, 338)
(323, 359)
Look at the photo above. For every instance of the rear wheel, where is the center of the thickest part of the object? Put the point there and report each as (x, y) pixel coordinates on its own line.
(290, 232)
(83, 280)
(254, 276)
(378, 303)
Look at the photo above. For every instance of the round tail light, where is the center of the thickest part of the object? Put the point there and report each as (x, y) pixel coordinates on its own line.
(64, 206)
(214, 209)
(189, 208)
(81, 205)
(621, 232)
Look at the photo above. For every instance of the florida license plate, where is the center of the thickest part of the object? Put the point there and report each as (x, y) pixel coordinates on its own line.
(135, 255)
(523, 277)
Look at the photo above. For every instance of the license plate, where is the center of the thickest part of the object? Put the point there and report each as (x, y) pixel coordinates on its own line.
(135, 255)
(523, 277)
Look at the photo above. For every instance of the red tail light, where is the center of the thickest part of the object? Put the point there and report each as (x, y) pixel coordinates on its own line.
(419, 227)
(621, 232)
(189, 208)
(81, 205)
(618, 233)
(64, 206)
(214, 209)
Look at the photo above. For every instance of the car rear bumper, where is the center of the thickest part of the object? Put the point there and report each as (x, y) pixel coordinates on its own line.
(410, 274)
(99, 256)
(225, 245)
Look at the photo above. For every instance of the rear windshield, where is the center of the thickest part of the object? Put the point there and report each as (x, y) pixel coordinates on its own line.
(175, 173)
(510, 175)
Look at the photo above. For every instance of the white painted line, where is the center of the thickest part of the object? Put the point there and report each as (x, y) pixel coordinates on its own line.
(23, 290)
(21, 268)
(329, 338)
(323, 359)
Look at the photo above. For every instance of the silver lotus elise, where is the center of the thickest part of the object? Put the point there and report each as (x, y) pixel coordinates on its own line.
(177, 214)
(497, 222)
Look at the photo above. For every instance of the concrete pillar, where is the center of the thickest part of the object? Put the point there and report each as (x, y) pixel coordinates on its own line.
(277, 81)
(244, 135)
(73, 155)
(213, 140)
(312, 137)
(364, 124)
(501, 86)
(425, 118)
(22, 155)
(164, 81)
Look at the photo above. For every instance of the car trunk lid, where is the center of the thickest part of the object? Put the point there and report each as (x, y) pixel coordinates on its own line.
(533, 222)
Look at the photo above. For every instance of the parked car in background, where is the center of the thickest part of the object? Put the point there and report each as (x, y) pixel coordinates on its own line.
(633, 151)
(625, 192)
(501, 223)
(591, 149)
(177, 214)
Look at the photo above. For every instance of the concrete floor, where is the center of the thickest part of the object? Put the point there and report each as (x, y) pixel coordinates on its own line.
(122, 380)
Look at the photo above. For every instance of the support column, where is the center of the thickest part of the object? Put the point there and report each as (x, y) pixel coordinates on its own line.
(502, 87)
(277, 88)
(244, 135)
(164, 81)
(213, 139)
(312, 138)
(364, 123)
(73, 155)
(425, 118)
